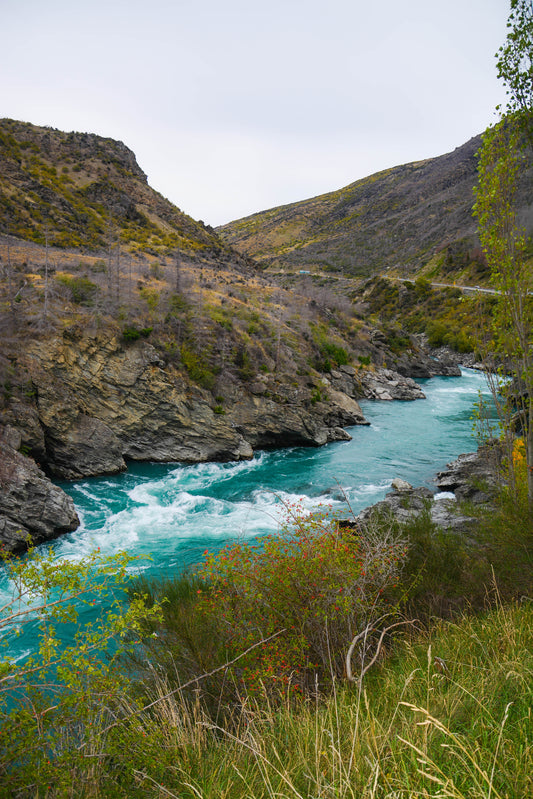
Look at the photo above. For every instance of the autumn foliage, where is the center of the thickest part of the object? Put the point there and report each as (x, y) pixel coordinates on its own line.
(313, 587)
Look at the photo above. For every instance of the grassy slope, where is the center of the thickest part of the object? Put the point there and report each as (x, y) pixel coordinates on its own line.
(399, 216)
(413, 730)
(87, 190)
(409, 218)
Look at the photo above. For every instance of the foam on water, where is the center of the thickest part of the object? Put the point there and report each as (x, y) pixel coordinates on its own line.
(173, 512)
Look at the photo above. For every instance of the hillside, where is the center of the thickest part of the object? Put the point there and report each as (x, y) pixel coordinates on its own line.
(87, 191)
(132, 332)
(399, 218)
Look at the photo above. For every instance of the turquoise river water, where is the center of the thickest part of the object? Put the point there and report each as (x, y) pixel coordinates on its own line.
(173, 512)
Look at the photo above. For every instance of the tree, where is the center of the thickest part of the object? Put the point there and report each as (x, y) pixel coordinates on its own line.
(502, 158)
(515, 65)
(54, 704)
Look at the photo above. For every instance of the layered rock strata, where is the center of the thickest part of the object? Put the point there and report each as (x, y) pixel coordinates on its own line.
(98, 403)
(32, 508)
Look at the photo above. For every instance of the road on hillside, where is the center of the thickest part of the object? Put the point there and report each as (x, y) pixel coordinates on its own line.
(466, 289)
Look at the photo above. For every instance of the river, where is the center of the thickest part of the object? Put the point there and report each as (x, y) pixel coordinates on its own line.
(172, 512)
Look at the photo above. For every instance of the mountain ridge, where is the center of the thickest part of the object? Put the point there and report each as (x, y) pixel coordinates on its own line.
(396, 218)
(86, 189)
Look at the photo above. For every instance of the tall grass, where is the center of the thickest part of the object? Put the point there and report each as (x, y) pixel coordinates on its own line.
(443, 711)
(447, 715)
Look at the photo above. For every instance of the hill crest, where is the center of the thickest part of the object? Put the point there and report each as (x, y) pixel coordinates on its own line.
(396, 218)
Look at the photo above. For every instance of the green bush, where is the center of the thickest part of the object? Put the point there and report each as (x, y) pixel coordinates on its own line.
(131, 333)
(151, 297)
(303, 594)
(197, 368)
(55, 703)
(437, 333)
(83, 290)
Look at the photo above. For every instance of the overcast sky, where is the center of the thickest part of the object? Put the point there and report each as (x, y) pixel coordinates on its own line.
(237, 106)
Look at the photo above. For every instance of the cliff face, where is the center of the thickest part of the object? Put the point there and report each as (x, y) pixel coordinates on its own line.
(98, 403)
(32, 508)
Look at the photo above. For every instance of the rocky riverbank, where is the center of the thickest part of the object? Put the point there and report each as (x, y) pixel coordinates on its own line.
(473, 477)
(32, 508)
(93, 402)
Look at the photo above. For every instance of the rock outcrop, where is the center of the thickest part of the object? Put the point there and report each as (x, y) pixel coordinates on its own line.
(100, 402)
(377, 384)
(32, 508)
(473, 476)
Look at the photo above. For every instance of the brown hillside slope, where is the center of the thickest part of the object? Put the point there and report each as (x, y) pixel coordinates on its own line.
(396, 218)
(86, 190)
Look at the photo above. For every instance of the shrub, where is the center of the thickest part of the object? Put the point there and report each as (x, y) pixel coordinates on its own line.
(150, 296)
(131, 333)
(335, 352)
(55, 703)
(316, 396)
(198, 370)
(83, 290)
(437, 333)
(242, 360)
(302, 595)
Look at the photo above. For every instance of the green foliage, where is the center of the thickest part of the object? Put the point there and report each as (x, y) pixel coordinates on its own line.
(422, 287)
(448, 709)
(502, 235)
(515, 57)
(83, 290)
(304, 594)
(197, 367)
(397, 341)
(178, 305)
(157, 270)
(335, 352)
(505, 245)
(131, 333)
(151, 297)
(52, 703)
(445, 315)
(331, 353)
(316, 396)
(243, 361)
(440, 334)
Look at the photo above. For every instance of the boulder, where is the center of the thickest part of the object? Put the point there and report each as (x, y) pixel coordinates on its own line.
(32, 508)
(401, 485)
